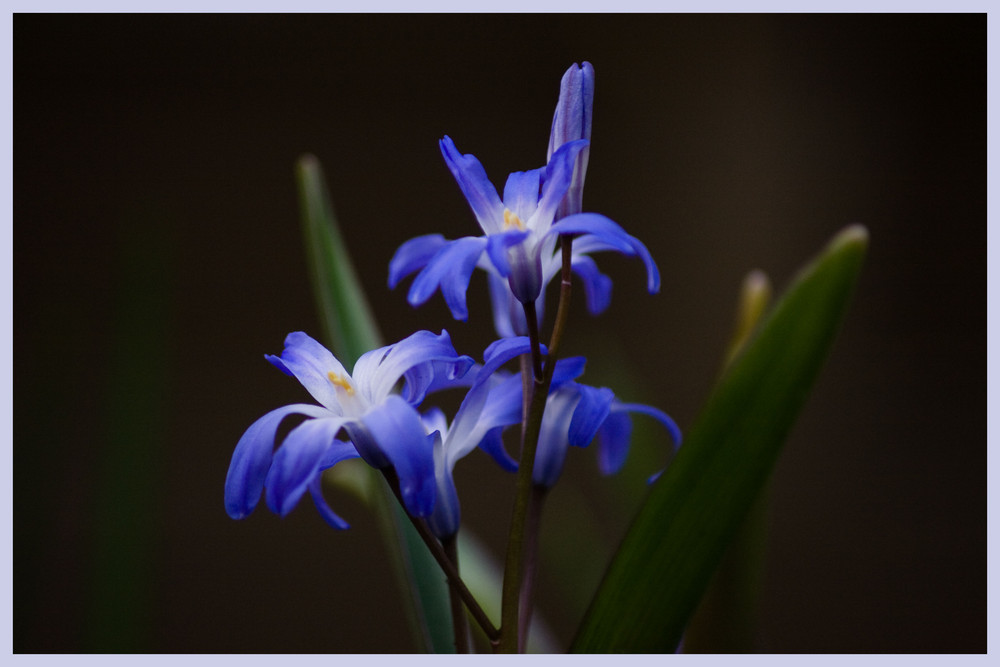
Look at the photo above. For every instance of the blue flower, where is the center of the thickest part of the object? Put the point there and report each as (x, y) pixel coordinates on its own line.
(521, 230)
(384, 427)
(572, 121)
(484, 413)
(574, 414)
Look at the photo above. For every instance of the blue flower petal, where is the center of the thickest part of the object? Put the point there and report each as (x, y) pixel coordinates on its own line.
(503, 350)
(610, 232)
(596, 285)
(504, 405)
(421, 358)
(492, 444)
(340, 450)
(508, 313)
(557, 179)
(434, 420)
(573, 120)
(316, 492)
(450, 270)
(467, 428)
(311, 364)
(370, 451)
(413, 256)
(475, 185)
(566, 369)
(550, 456)
(433, 376)
(526, 279)
(590, 413)
(297, 462)
(616, 433)
(497, 246)
(445, 518)
(252, 459)
(614, 437)
(397, 429)
(659, 415)
(520, 193)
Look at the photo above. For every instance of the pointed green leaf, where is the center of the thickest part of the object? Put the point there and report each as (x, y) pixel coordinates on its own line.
(669, 553)
(724, 619)
(348, 323)
(351, 331)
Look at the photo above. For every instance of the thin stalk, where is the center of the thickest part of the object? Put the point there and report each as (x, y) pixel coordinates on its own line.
(538, 495)
(531, 317)
(565, 292)
(527, 391)
(450, 571)
(514, 565)
(458, 619)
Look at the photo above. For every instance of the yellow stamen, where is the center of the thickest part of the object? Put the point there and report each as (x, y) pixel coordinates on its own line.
(510, 219)
(338, 381)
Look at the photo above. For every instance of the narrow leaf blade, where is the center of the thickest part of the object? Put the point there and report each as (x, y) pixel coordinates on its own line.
(350, 329)
(675, 543)
(348, 323)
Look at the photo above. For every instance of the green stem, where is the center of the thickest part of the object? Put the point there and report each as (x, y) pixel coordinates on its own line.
(442, 558)
(531, 317)
(514, 566)
(514, 563)
(458, 618)
(538, 495)
(527, 389)
(565, 292)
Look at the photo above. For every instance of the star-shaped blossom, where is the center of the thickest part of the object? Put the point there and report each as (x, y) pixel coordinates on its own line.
(521, 230)
(383, 427)
(484, 413)
(575, 414)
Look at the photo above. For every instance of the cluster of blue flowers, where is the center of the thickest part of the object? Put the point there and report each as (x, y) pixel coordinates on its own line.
(360, 414)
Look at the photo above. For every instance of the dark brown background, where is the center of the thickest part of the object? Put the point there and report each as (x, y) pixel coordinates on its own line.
(158, 258)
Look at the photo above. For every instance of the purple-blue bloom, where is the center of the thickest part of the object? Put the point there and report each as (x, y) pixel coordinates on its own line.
(572, 121)
(384, 427)
(484, 413)
(575, 414)
(521, 229)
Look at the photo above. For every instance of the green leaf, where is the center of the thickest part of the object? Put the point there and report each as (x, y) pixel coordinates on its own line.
(351, 331)
(724, 621)
(676, 541)
(348, 324)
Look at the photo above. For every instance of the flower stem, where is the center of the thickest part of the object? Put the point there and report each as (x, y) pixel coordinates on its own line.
(458, 618)
(531, 317)
(527, 390)
(514, 563)
(565, 292)
(449, 568)
(538, 495)
(519, 536)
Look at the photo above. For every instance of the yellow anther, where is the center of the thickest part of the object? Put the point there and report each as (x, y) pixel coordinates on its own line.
(338, 381)
(510, 219)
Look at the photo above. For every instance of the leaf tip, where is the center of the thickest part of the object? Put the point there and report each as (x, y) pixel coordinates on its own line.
(307, 166)
(855, 235)
(756, 289)
(307, 161)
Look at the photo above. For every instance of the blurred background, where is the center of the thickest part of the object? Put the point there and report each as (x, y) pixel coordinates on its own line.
(159, 257)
